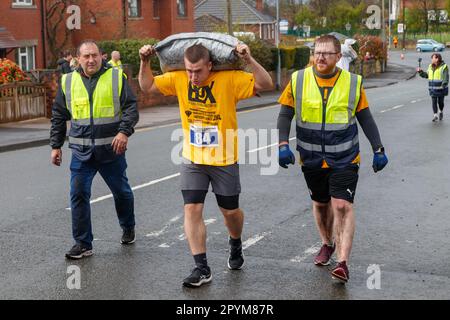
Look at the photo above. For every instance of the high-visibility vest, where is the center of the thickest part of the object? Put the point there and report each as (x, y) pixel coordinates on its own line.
(326, 132)
(93, 122)
(435, 80)
(117, 64)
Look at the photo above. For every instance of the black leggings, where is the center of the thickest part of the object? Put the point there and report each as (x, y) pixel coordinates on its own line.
(437, 101)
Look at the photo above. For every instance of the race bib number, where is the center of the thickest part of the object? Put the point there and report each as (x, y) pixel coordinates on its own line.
(204, 136)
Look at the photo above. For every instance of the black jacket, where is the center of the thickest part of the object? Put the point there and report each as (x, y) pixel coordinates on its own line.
(64, 66)
(60, 114)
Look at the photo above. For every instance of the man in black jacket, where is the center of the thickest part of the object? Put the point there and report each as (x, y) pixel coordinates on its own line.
(64, 62)
(103, 112)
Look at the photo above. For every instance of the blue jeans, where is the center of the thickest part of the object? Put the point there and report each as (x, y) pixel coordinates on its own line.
(82, 174)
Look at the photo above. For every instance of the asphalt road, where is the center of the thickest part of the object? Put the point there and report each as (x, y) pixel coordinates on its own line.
(402, 223)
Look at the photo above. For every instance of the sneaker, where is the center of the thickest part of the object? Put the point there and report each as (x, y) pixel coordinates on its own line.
(128, 237)
(435, 117)
(78, 252)
(441, 115)
(324, 255)
(340, 272)
(236, 258)
(198, 277)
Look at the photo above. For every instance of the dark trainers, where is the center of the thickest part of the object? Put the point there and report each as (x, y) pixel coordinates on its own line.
(441, 115)
(340, 272)
(198, 277)
(78, 252)
(236, 258)
(128, 237)
(324, 255)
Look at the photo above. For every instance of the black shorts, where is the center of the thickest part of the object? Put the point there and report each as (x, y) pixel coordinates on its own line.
(337, 183)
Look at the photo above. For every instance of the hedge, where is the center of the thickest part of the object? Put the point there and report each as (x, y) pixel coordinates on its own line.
(263, 52)
(129, 52)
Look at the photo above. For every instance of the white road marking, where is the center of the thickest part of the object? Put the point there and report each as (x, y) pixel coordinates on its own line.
(253, 240)
(269, 146)
(393, 108)
(308, 252)
(163, 230)
(164, 245)
(136, 187)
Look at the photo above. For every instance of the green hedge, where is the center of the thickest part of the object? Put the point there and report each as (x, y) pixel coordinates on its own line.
(264, 53)
(129, 52)
(291, 57)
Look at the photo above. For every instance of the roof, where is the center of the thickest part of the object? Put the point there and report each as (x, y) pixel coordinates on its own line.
(242, 11)
(207, 23)
(7, 40)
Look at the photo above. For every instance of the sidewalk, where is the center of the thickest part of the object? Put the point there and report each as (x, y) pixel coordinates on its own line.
(32, 133)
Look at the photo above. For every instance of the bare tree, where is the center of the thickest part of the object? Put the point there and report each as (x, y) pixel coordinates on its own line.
(57, 33)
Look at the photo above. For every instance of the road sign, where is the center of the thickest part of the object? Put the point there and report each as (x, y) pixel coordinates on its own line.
(400, 28)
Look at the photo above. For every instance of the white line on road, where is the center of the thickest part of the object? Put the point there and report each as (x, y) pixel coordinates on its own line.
(163, 230)
(393, 108)
(269, 146)
(253, 240)
(137, 187)
(311, 250)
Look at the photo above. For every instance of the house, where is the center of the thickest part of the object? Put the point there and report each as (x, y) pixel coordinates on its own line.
(211, 15)
(21, 32)
(25, 23)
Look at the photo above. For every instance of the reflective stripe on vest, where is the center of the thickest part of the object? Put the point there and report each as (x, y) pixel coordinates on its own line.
(88, 142)
(341, 104)
(330, 149)
(106, 98)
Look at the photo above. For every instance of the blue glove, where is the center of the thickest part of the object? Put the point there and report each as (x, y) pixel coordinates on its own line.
(379, 160)
(285, 156)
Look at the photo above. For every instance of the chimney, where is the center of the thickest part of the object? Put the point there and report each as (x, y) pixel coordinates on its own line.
(259, 5)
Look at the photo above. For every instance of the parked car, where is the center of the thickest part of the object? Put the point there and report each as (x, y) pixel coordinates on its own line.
(429, 45)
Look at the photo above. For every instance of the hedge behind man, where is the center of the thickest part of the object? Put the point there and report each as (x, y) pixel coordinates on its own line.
(207, 101)
(103, 112)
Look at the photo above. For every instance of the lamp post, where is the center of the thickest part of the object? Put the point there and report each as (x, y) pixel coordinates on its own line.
(348, 27)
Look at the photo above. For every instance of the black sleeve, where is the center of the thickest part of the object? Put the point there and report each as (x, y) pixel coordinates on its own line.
(130, 113)
(370, 128)
(60, 114)
(423, 74)
(284, 122)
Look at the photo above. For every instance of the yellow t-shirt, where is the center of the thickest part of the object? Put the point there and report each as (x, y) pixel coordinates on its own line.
(287, 99)
(208, 113)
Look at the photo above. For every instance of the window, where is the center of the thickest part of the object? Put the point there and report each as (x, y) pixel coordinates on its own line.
(22, 3)
(134, 8)
(25, 57)
(155, 8)
(182, 8)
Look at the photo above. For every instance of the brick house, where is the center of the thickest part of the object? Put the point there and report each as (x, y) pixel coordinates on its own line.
(20, 29)
(23, 24)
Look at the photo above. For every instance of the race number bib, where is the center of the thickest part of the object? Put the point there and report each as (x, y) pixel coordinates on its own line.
(204, 136)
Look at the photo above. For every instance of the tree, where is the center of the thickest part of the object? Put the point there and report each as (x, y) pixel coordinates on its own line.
(57, 33)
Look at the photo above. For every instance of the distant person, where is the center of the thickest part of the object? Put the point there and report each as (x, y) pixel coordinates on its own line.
(64, 62)
(348, 54)
(395, 42)
(115, 60)
(104, 55)
(437, 76)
